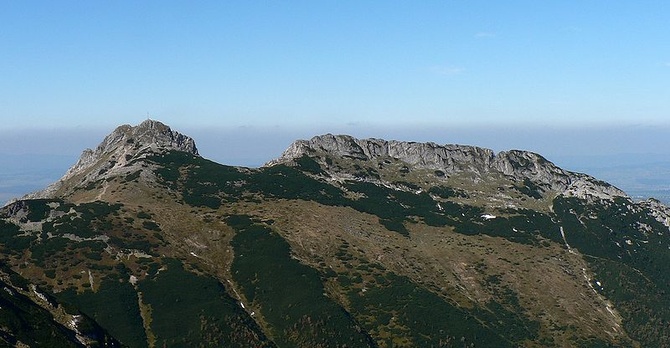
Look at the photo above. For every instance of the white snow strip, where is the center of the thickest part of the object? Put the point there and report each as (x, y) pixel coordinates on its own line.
(90, 278)
(488, 216)
(565, 240)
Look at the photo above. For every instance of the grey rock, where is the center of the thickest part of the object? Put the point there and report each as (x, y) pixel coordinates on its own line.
(660, 211)
(455, 159)
(114, 154)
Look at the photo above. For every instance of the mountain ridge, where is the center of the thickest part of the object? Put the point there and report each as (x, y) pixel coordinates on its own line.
(454, 159)
(343, 242)
(119, 148)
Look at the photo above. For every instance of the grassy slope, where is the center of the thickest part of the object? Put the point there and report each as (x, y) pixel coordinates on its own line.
(397, 268)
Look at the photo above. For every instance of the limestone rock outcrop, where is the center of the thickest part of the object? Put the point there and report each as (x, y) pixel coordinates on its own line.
(455, 159)
(115, 154)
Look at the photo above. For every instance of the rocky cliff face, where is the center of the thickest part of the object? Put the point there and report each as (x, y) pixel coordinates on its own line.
(453, 160)
(115, 154)
(129, 140)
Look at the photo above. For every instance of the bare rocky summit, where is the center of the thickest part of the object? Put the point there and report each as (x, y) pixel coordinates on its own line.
(116, 153)
(455, 159)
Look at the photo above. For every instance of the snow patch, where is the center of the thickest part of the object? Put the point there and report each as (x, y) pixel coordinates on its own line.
(565, 240)
(90, 278)
(488, 217)
(40, 295)
(74, 321)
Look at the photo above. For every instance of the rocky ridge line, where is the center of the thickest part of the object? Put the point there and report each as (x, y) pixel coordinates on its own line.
(455, 159)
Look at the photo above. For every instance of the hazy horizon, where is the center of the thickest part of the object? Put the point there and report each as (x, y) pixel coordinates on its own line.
(635, 159)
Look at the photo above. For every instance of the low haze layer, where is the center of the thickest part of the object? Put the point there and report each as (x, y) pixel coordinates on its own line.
(638, 164)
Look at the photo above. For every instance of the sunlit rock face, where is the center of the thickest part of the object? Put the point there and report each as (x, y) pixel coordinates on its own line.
(117, 153)
(455, 159)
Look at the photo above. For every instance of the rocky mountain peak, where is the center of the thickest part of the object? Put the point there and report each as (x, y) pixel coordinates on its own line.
(424, 155)
(148, 134)
(454, 159)
(126, 141)
(119, 148)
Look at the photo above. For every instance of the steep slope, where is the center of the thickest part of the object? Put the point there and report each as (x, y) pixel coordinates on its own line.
(344, 242)
(31, 318)
(115, 156)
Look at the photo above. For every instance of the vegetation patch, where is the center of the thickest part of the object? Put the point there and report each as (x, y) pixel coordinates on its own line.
(38, 209)
(290, 295)
(24, 321)
(11, 240)
(115, 307)
(530, 189)
(395, 307)
(190, 310)
(625, 260)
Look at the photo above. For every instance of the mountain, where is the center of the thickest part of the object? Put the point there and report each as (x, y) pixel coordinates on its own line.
(115, 155)
(450, 160)
(340, 242)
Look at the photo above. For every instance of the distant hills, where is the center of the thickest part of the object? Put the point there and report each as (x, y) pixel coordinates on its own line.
(640, 181)
(339, 242)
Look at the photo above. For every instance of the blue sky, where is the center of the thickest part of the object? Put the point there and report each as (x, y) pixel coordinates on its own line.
(333, 63)
(573, 80)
